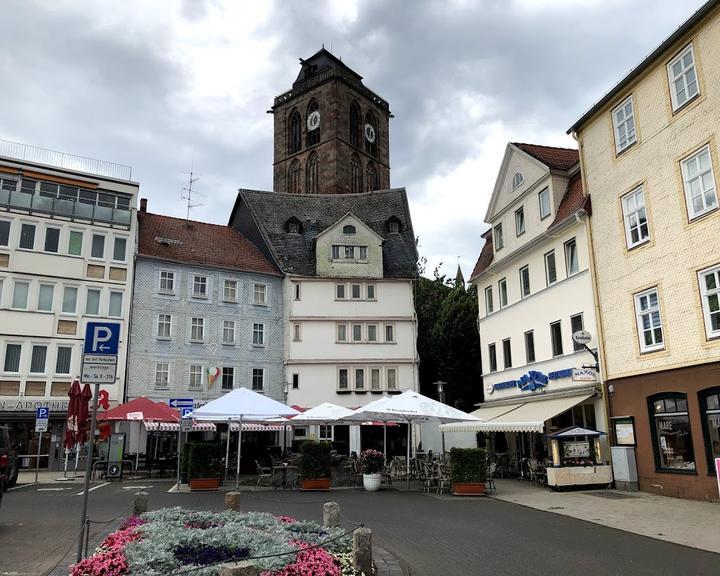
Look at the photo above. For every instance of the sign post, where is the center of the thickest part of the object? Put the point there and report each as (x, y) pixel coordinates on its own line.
(185, 405)
(99, 366)
(42, 415)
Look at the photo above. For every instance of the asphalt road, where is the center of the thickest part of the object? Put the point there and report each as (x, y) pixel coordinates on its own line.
(431, 535)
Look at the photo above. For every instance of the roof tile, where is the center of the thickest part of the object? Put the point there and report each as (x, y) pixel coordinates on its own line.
(485, 258)
(552, 156)
(572, 201)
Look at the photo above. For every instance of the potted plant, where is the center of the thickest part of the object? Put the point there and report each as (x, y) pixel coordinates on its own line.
(204, 465)
(371, 464)
(314, 467)
(468, 471)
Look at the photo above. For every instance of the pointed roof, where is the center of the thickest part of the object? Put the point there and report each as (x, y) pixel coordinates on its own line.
(192, 242)
(321, 60)
(486, 256)
(553, 157)
(459, 278)
(573, 200)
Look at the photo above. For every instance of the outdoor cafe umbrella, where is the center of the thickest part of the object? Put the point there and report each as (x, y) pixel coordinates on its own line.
(238, 405)
(410, 407)
(74, 423)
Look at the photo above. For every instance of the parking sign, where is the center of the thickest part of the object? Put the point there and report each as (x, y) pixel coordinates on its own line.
(42, 415)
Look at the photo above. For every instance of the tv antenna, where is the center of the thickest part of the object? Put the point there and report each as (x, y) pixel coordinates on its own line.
(186, 194)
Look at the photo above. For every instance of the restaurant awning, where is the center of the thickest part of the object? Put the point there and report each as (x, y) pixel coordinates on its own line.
(484, 413)
(527, 417)
(210, 427)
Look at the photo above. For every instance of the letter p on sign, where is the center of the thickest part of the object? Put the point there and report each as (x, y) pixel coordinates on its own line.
(102, 338)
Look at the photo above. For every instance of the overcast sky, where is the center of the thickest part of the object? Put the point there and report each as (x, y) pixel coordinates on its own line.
(170, 84)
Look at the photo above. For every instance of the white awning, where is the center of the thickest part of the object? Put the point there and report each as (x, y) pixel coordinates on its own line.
(528, 417)
(210, 427)
(484, 413)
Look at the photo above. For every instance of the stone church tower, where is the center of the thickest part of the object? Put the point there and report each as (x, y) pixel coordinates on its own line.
(331, 132)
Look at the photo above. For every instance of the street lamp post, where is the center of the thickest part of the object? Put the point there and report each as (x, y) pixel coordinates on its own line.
(441, 396)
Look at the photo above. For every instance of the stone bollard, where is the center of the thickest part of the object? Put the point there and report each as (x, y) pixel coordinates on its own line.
(140, 506)
(232, 501)
(239, 569)
(362, 550)
(331, 514)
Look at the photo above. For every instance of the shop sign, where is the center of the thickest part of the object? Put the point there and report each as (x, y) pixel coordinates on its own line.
(531, 381)
(15, 405)
(584, 375)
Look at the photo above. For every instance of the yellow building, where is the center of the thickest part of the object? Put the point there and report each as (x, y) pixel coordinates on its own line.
(649, 157)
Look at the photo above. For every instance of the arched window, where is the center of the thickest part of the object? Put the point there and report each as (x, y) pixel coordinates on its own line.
(710, 414)
(355, 128)
(294, 174)
(355, 175)
(371, 178)
(311, 174)
(349, 230)
(671, 433)
(294, 132)
(371, 134)
(313, 121)
(518, 179)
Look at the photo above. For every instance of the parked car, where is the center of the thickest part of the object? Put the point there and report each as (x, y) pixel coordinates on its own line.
(8, 460)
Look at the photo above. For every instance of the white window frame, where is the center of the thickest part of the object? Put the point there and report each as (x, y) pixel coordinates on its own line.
(373, 371)
(34, 345)
(489, 302)
(162, 375)
(258, 334)
(10, 230)
(498, 237)
(520, 221)
(685, 163)
(200, 326)
(338, 288)
(62, 304)
(20, 359)
(393, 337)
(502, 293)
(335, 250)
(394, 382)
(523, 295)
(672, 77)
(261, 373)
(544, 193)
(198, 281)
(192, 374)
(222, 378)
(87, 300)
(26, 283)
(374, 330)
(115, 239)
(229, 328)
(297, 332)
(561, 352)
(359, 291)
(368, 289)
(57, 354)
(323, 430)
(69, 240)
(337, 332)
(632, 217)
(547, 268)
(361, 370)
(640, 313)
(158, 324)
(358, 333)
(705, 295)
(110, 300)
(362, 253)
(52, 297)
(260, 294)
(227, 282)
(347, 387)
(517, 180)
(568, 257)
(624, 125)
(59, 239)
(104, 246)
(171, 276)
(349, 252)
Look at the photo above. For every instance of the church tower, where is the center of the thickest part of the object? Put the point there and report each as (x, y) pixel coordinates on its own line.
(331, 132)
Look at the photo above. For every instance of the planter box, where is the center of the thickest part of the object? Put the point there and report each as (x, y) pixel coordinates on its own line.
(469, 489)
(316, 484)
(371, 482)
(204, 483)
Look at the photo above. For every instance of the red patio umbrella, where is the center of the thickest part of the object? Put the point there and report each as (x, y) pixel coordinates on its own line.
(141, 409)
(82, 416)
(72, 430)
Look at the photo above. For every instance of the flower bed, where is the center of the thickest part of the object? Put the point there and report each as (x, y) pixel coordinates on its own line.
(174, 540)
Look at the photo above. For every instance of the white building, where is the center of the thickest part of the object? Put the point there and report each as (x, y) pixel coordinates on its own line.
(66, 258)
(350, 326)
(535, 291)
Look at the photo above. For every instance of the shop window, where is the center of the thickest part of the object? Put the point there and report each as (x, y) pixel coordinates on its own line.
(710, 414)
(672, 437)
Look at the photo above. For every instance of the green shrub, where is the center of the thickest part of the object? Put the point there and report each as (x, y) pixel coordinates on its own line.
(467, 465)
(315, 459)
(204, 460)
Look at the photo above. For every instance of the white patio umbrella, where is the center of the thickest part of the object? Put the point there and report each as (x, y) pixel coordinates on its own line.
(238, 405)
(324, 413)
(410, 407)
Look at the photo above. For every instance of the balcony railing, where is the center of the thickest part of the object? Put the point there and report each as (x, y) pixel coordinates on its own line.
(64, 207)
(63, 160)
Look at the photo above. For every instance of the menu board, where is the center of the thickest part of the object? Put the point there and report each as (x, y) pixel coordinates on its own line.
(580, 449)
(624, 432)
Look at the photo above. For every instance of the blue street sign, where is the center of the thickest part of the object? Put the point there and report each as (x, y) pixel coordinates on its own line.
(102, 338)
(43, 413)
(185, 411)
(181, 403)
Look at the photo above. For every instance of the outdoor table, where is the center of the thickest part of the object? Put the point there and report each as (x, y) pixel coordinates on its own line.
(280, 476)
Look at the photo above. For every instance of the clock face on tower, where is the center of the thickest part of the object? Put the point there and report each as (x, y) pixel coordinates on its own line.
(313, 121)
(369, 133)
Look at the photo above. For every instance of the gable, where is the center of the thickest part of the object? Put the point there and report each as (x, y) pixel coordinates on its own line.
(349, 248)
(514, 162)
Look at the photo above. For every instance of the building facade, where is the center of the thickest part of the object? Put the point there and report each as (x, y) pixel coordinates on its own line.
(207, 313)
(535, 291)
(67, 237)
(649, 154)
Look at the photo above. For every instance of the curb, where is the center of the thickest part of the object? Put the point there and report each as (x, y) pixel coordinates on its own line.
(385, 563)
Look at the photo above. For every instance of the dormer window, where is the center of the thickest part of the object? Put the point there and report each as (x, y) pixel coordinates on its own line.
(349, 230)
(293, 226)
(393, 225)
(517, 180)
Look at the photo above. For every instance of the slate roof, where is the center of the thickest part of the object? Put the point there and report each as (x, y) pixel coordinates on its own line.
(486, 256)
(191, 242)
(553, 157)
(572, 201)
(295, 253)
(319, 61)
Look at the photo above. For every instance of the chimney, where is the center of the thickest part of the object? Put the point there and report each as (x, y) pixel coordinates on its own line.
(143, 204)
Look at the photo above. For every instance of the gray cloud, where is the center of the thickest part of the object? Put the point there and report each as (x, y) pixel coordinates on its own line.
(455, 74)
